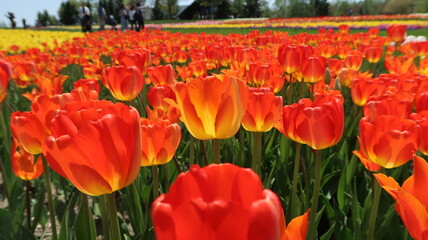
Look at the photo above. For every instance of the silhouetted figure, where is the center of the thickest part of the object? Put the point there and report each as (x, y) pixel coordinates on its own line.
(11, 18)
(24, 23)
(139, 17)
(85, 18)
(102, 15)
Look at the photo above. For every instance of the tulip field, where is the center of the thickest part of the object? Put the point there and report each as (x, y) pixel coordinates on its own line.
(267, 135)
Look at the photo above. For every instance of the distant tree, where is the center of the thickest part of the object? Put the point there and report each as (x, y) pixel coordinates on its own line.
(171, 8)
(299, 8)
(157, 10)
(237, 8)
(68, 13)
(421, 6)
(321, 8)
(45, 19)
(398, 7)
(223, 9)
(280, 8)
(253, 8)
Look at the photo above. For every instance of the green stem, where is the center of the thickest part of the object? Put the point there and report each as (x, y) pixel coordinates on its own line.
(177, 165)
(112, 213)
(155, 175)
(88, 214)
(241, 148)
(294, 209)
(257, 152)
(375, 206)
(5, 181)
(192, 151)
(312, 228)
(104, 217)
(46, 175)
(28, 202)
(216, 150)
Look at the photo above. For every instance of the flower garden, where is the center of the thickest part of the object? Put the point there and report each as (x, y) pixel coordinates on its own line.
(168, 135)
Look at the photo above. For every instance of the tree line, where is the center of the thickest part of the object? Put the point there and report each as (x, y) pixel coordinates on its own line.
(68, 13)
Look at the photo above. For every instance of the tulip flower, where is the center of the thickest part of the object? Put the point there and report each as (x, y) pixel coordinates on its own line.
(222, 202)
(29, 130)
(388, 140)
(318, 124)
(156, 96)
(161, 75)
(24, 71)
(212, 107)
(421, 119)
(411, 198)
(421, 101)
(388, 104)
(263, 110)
(161, 139)
(400, 64)
(313, 69)
(290, 58)
(5, 75)
(354, 61)
(373, 54)
(23, 164)
(124, 83)
(396, 33)
(96, 145)
(363, 87)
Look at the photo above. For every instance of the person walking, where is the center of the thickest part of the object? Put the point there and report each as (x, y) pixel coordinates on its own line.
(139, 17)
(123, 14)
(102, 15)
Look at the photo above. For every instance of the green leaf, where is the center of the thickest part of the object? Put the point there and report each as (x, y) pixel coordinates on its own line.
(84, 227)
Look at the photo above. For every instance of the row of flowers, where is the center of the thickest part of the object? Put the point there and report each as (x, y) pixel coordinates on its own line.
(213, 85)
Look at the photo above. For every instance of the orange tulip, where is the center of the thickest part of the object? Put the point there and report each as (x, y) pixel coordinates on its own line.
(399, 65)
(139, 58)
(373, 32)
(313, 69)
(259, 74)
(96, 145)
(222, 202)
(411, 199)
(263, 110)
(420, 48)
(5, 75)
(24, 71)
(212, 107)
(373, 54)
(388, 140)
(396, 33)
(344, 29)
(318, 124)
(124, 83)
(421, 101)
(23, 164)
(184, 73)
(28, 129)
(198, 68)
(50, 84)
(161, 75)
(161, 139)
(354, 61)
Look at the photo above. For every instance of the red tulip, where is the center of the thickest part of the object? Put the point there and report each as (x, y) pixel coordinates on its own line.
(362, 88)
(396, 33)
(156, 96)
(222, 202)
(96, 145)
(161, 75)
(421, 119)
(388, 104)
(373, 54)
(313, 69)
(5, 75)
(318, 124)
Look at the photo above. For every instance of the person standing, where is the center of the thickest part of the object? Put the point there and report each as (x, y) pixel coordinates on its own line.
(123, 14)
(85, 18)
(102, 15)
(139, 17)
(132, 17)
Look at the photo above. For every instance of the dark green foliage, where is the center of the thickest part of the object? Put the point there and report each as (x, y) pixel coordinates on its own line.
(68, 13)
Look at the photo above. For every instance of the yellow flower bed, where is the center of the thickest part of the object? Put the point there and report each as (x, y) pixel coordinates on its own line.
(33, 39)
